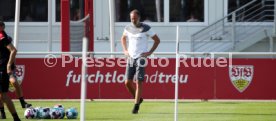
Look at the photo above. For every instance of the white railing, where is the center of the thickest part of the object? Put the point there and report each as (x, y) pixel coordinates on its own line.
(254, 17)
(153, 55)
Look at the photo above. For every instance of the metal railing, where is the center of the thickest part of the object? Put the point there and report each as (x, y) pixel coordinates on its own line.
(223, 35)
(156, 54)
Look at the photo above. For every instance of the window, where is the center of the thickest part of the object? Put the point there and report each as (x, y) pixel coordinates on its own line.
(30, 10)
(58, 10)
(76, 10)
(163, 10)
(186, 10)
(7, 10)
(259, 11)
(151, 10)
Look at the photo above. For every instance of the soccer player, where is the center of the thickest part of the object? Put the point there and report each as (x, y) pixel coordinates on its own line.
(7, 58)
(137, 34)
(18, 91)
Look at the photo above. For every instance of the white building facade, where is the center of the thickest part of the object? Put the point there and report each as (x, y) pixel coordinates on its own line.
(162, 15)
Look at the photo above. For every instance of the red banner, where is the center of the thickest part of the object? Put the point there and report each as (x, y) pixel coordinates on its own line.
(245, 79)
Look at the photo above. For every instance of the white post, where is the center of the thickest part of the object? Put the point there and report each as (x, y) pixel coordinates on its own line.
(49, 25)
(158, 10)
(83, 79)
(234, 30)
(166, 12)
(271, 44)
(112, 28)
(176, 75)
(16, 22)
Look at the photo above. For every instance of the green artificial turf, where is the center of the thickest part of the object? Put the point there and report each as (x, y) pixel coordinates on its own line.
(164, 111)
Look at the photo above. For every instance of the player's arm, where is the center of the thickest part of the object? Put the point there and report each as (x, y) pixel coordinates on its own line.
(156, 40)
(13, 52)
(124, 44)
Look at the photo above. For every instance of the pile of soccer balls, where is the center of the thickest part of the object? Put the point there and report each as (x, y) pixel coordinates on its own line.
(57, 112)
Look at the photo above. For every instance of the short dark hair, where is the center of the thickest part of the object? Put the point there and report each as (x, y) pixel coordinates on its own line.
(2, 24)
(136, 12)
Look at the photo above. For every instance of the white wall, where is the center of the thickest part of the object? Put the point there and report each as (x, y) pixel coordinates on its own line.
(33, 36)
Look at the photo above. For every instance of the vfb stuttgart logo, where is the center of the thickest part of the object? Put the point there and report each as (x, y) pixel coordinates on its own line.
(241, 76)
(19, 74)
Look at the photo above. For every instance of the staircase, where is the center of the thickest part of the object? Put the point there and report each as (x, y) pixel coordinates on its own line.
(238, 30)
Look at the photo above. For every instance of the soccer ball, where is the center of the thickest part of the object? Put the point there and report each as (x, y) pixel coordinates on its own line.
(71, 113)
(56, 113)
(61, 109)
(44, 113)
(37, 111)
(62, 112)
(30, 113)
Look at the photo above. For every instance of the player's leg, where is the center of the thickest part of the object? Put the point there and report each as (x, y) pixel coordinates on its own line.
(138, 92)
(10, 105)
(2, 110)
(130, 87)
(140, 78)
(4, 85)
(19, 92)
(140, 69)
(130, 72)
(138, 99)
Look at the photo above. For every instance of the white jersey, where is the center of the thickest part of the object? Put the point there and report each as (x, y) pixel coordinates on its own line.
(138, 39)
